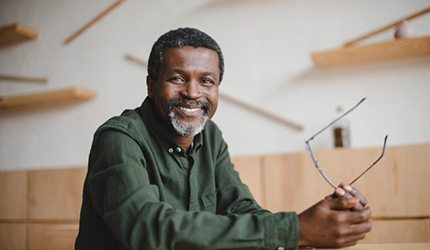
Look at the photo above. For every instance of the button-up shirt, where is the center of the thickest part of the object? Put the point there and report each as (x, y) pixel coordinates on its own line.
(143, 191)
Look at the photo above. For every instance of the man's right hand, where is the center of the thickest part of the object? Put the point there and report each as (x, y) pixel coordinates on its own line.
(336, 221)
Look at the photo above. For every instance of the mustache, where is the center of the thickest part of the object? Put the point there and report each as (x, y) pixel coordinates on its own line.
(206, 106)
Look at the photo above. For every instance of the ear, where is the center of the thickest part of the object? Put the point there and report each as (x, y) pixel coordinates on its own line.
(149, 86)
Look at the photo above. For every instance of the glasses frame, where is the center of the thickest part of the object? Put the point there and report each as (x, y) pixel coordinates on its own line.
(316, 162)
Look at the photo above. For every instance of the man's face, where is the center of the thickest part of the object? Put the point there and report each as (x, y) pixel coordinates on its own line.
(186, 91)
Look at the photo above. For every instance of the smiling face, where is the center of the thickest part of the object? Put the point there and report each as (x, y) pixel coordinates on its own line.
(185, 93)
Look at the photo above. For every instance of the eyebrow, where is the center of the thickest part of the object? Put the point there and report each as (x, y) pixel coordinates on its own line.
(179, 70)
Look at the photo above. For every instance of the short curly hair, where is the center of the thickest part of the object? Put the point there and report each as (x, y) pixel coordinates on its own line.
(180, 38)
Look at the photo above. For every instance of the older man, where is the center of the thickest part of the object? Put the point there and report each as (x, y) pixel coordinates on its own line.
(160, 176)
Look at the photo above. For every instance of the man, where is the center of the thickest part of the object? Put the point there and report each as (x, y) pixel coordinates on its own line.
(160, 176)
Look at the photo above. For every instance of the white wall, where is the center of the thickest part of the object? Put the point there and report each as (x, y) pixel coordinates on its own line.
(267, 46)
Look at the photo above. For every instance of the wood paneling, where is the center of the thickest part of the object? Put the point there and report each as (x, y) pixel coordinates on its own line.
(399, 231)
(400, 185)
(13, 193)
(397, 186)
(251, 173)
(52, 236)
(398, 246)
(292, 183)
(55, 193)
(12, 236)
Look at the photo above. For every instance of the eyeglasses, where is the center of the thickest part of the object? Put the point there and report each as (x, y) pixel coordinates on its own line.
(315, 161)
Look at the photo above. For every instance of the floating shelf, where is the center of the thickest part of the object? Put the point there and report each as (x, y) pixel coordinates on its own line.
(16, 78)
(70, 95)
(16, 32)
(397, 49)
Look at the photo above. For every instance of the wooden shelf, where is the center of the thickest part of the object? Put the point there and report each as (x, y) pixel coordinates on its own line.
(397, 49)
(29, 79)
(14, 33)
(57, 97)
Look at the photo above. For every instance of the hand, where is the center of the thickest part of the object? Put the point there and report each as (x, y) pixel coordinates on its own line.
(338, 221)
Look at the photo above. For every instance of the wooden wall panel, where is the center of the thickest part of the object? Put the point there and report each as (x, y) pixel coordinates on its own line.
(12, 236)
(399, 231)
(400, 185)
(52, 236)
(397, 186)
(55, 193)
(251, 173)
(13, 193)
(292, 183)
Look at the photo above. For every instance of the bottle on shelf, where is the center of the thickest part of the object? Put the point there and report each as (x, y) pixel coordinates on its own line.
(341, 131)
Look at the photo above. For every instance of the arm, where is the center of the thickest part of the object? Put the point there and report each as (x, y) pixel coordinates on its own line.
(122, 195)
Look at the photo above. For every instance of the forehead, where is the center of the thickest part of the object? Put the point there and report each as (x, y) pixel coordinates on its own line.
(192, 58)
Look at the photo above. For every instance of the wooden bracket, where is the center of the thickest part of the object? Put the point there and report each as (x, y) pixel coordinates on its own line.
(93, 21)
(137, 60)
(284, 121)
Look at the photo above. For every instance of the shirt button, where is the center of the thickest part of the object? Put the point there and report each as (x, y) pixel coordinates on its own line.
(170, 150)
(178, 149)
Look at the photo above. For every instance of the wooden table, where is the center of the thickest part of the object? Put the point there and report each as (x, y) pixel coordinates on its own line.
(399, 246)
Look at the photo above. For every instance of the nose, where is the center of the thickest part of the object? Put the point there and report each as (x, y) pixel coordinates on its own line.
(191, 90)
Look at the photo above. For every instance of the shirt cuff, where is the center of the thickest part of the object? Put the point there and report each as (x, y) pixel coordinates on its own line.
(281, 231)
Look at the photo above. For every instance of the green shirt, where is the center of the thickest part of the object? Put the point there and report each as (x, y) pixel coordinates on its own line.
(142, 191)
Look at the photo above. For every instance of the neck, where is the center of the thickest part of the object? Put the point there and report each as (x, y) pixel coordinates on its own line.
(184, 141)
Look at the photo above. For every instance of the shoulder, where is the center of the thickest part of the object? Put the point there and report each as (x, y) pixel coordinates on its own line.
(212, 131)
(130, 122)
(213, 138)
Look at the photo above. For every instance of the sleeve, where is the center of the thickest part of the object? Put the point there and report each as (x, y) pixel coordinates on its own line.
(123, 196)
(233, 196)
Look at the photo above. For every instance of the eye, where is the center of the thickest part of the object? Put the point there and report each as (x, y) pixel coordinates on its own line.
(207, 82)
(178, 80)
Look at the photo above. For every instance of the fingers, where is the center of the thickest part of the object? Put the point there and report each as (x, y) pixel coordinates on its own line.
(354, 192)
(360, 216)
(352, 227)
(349, 192)
(356, 232)
(344, 202)
(349, 241)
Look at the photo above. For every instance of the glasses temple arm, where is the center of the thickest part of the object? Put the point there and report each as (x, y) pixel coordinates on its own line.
(320, 170)
(374, 163)
(337, 119)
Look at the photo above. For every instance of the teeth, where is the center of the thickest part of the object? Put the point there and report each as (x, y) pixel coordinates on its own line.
(189, 110)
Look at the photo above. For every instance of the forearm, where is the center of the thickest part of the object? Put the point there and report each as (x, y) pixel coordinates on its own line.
(158, 226)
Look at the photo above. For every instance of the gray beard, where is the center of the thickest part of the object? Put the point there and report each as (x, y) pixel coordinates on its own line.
(186, 128)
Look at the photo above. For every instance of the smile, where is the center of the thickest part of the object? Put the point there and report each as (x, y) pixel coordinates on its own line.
(190, 110)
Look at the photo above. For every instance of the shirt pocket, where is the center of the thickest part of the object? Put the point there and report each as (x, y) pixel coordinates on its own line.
(209, 202)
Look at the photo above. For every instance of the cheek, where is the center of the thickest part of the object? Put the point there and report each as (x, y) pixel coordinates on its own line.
(167, 93)
(214, 103)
